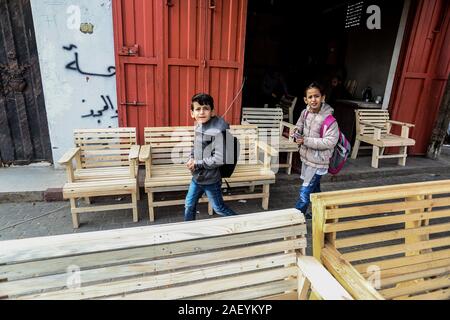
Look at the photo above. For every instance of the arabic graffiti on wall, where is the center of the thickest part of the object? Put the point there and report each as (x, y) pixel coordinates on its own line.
(102, 112)
(108, 106)
(75, 65)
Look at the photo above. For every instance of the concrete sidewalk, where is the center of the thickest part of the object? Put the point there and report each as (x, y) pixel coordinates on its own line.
(42, 181)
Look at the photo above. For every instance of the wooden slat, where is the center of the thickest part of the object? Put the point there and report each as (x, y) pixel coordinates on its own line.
(427, 273)
(396, 249)
(389, 235)
(405, 261)
(419, 287)
(257, 292)
(366, 210)
(383, 221)
(436, 295)
(213, 285)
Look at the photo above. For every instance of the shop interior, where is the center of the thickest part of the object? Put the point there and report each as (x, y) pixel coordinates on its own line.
(290, 43)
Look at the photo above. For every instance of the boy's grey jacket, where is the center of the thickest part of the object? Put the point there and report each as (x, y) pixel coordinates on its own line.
(316, 151)
(208, 150)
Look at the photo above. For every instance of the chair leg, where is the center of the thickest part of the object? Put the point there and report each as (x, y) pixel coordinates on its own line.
(265, 201)
(252, 189)
(135, 209)
(73, 205)
(402, 160)
(87, 200)
(138, 193)
(355, 149)
(289, 169)
(375, 156)
(151, 210)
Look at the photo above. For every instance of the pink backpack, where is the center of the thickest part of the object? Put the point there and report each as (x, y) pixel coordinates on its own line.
(342, 149)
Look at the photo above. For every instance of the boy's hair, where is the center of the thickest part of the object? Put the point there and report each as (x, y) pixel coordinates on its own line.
(202, 99)
(315, 85)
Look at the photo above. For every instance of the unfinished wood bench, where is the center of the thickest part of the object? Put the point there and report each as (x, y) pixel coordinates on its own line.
(253, 256)
(167, 149)
(105, 165)
(388, 242)
(271, 129)
(374, 127)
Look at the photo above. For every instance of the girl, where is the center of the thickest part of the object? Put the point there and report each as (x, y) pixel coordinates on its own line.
(315, 151)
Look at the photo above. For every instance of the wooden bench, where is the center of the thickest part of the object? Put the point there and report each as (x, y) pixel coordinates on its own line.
(252, 256)
(271, 129)
(374, 127)
(287, 104)
(105, 165)
(388, 242)
(167, 150)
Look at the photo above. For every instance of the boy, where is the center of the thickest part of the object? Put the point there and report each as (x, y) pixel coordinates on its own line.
(206, 158)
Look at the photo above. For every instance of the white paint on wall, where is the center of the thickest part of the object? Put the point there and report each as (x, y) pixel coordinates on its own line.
(76, 67)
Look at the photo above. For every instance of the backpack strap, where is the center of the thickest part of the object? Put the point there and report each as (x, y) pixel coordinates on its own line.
(329, 120)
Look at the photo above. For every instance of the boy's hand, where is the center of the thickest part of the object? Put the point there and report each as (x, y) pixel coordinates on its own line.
(191, 165)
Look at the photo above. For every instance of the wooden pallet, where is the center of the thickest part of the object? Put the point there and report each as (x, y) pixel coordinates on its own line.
(374, 127)
(271, 129)
(386, 242)
(167, 150)
(105, 165)
(253, 256)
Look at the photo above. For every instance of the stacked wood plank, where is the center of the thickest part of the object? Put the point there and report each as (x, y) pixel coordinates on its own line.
(254, 256)
(105, 165)
(374, 127)
(387, 242)
(271, 129)
(167, 150)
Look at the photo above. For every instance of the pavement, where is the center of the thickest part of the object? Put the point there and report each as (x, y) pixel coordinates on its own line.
(24, 214)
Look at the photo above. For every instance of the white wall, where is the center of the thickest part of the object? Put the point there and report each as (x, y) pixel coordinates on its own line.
(71, 94)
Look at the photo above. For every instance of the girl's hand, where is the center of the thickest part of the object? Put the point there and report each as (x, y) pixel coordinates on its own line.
(300, 141)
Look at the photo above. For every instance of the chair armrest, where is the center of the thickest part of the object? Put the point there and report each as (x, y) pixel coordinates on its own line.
(134, 152)
(409, 125)
(348, 276)
(267, 149)
(322, 282)
(145, 153)
(366, 123)
(288, 125)
(68, 156)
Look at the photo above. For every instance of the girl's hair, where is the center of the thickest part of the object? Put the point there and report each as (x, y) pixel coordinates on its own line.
(202, 99)
(315, 85)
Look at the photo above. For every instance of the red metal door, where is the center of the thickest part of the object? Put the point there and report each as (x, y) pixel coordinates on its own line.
(425, 71)
(168, 50)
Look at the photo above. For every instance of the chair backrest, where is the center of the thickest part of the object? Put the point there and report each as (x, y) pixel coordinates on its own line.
(268, 121)
(351, 86)
(377, 116)
(173, 145)
(248, 256)
(105, 147)
(287, 104)
(384, 229)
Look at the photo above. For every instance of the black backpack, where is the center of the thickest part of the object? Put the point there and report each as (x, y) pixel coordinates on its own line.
(231, 152)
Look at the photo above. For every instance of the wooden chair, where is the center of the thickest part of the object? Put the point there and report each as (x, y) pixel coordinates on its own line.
(350, 86)
(167, 149)
(250, 256)
(389, 242)
(374, 127)
(287, 104)
(271, 129)
(106, 165)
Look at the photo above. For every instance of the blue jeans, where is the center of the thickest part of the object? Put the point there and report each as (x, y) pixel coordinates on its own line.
(214, 193)
(304, 193)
